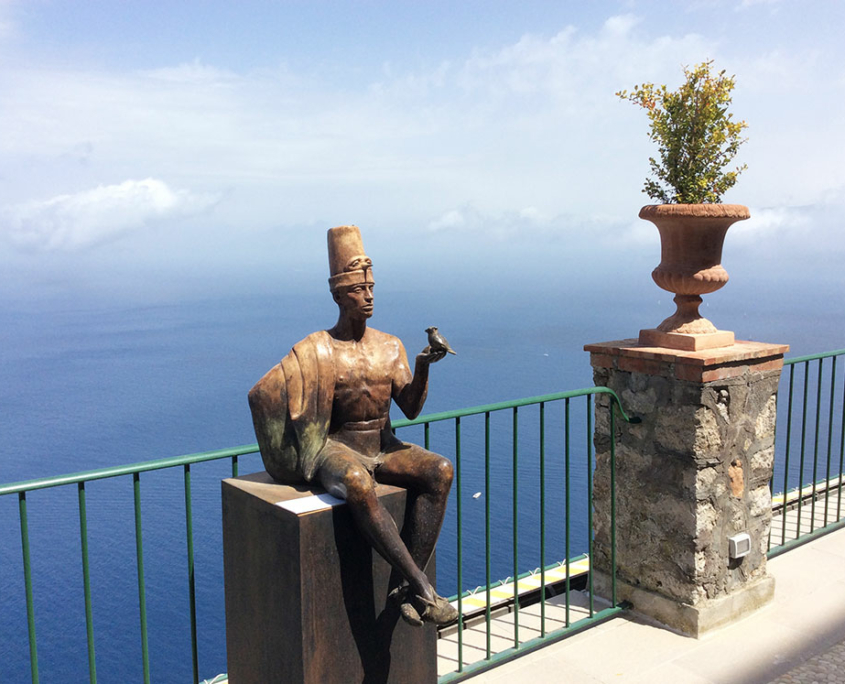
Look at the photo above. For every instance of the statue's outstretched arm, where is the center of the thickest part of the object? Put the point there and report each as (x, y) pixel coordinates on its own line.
(409, 392)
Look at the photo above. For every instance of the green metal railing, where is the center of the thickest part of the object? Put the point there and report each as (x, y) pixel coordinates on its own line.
(810, 423)
(81, 479)
(520, 646)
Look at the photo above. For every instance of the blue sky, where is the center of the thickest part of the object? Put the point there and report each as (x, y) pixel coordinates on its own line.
(153, 143)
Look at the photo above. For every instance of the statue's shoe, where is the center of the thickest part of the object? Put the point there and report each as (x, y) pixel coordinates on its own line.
(410, 614)
(400, 597)
(398, 594)
(416, 610)
(439, 611)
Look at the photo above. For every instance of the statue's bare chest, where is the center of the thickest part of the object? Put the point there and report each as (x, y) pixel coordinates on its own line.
(362, 368)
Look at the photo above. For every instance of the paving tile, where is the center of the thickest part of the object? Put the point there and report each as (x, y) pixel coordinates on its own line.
(809, 587)
(744, 651)
(826, 667)
(536, 669)
(830, 544)
(669, 673)
(630, 649)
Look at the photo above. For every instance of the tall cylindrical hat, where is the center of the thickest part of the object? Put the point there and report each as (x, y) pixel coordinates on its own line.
(348, 265)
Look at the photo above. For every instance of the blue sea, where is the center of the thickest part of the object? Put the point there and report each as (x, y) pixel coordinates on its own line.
(92, 379)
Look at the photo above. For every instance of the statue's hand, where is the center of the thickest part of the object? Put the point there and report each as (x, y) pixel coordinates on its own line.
(427, 357)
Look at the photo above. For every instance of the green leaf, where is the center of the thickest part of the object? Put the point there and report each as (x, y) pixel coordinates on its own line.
(695, 135)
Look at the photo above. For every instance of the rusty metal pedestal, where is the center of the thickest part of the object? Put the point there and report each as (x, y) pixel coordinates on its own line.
(306, 595)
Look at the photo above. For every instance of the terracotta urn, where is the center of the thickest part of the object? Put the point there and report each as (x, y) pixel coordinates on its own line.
(691, 239)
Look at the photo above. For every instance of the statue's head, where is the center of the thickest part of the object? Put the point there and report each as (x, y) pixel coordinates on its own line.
(351, 280)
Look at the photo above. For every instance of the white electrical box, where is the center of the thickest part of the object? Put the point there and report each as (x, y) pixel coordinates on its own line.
(739, 545)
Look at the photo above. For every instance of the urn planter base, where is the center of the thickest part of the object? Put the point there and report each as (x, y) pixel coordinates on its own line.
(653, 337)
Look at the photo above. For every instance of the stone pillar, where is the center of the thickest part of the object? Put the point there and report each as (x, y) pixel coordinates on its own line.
(693, 473)
(306, 595)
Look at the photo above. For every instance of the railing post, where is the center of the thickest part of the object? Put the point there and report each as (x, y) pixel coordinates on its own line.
(515, 477)
(27, 575)
(192, 593)
(841, 457)
(543, 515)
(487, 492)
(590, 495)
(86, 583)
(695, 472)
(459, 539)
(830, 420)
(566, 508)
(142, 592)
(786, 451)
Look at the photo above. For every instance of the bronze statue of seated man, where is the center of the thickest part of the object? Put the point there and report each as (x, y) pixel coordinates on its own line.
(323, 414)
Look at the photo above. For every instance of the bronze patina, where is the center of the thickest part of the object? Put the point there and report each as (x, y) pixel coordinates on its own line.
(322, 415)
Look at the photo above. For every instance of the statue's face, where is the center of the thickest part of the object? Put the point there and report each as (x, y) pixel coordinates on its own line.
(356, 300)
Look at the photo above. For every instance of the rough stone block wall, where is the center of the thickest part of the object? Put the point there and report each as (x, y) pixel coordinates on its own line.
(694, 472)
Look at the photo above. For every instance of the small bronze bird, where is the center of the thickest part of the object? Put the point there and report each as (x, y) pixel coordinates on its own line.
(437, 342)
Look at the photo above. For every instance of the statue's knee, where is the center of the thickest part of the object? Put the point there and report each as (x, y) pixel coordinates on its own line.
(444, 471)
(359, 485)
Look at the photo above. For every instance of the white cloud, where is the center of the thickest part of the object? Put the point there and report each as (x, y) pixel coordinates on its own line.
(91, 217)
(526, 223)
(451, 220)
(578, 71)
(544, 103)
(191, 73)
(620, 25)
(768, 222)
(810, 233)
(469, 219)
(458, 144)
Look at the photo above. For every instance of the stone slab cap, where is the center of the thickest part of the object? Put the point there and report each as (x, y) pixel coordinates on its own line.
(695, 366)
(686, 341)
(348, 264)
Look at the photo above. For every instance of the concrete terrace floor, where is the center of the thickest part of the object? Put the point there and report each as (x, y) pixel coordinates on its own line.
(796, 638)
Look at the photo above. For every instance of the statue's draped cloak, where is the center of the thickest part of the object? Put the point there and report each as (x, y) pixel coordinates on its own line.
(292, 409)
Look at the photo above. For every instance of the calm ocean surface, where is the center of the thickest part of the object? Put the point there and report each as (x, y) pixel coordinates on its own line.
(88, 383)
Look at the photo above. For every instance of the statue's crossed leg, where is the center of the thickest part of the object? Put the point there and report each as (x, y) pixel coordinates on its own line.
(427, 477)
